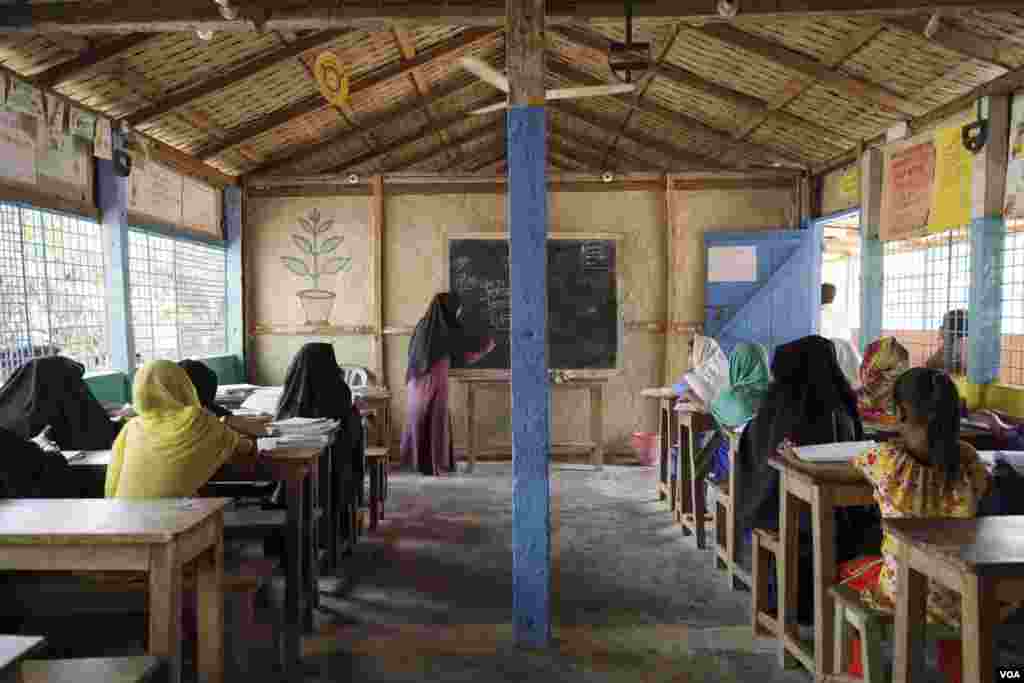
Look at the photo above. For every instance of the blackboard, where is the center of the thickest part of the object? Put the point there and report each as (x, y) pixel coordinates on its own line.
(583, 310)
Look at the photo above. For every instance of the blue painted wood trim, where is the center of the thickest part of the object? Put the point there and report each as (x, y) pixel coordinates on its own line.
(235, 291)
(112, 200)
(845, 213)
(871, 292)
(531, 515)
(984, 339)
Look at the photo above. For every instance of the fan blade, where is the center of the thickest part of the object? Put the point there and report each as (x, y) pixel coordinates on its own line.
(485, 73)
(592, 91)
(493, 108)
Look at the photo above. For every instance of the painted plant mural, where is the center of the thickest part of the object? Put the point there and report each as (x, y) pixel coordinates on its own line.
(318, 259)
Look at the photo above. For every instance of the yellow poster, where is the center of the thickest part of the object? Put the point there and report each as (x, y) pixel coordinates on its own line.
(954, 172)
(849, 183)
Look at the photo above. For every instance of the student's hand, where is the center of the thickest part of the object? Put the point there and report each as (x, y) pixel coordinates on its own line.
(786, 449)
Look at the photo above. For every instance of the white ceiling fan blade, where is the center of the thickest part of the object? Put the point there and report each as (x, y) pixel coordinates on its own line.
(486, 73)
(591, 91)
(493, 108)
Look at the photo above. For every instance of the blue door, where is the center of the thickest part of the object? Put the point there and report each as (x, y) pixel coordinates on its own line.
(762, 287)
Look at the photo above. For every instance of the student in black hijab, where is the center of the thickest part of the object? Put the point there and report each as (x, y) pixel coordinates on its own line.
(51, 392)
(439, 338)
(28, 471)
(809, 401)
(315, 387)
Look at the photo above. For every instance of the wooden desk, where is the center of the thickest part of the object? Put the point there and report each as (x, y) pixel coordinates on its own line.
(692, 506)
(594, 385)
(12, 650)
(727, 534)
(377, 399)
(158, 537)
(981, 559)
(667, 428)
(823, 488)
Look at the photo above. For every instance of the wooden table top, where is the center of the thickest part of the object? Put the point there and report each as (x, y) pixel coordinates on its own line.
(102, 521)
(984, 546)
(829, 473)
(659, 393)
(112, 670)
(13, 648)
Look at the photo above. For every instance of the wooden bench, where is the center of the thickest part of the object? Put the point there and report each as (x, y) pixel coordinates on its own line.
(377, 462)
(766, 548)
(726, 534)
(105, 670)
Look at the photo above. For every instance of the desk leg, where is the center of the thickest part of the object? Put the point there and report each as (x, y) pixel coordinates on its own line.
(664, 439)
(210, 611)
(671, 434)
(165, 585)
(311, 547)
(823, 529)
(374, 494)
(683, 491)
(470, 432)
(911, 604)
(597, 424)
(698, 488)
(293, 573)
(329, 526)
(787, 571)
(980, 615)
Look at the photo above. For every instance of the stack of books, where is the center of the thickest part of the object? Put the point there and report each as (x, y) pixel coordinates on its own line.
(300, 432)
(263, 401)
(232, 396)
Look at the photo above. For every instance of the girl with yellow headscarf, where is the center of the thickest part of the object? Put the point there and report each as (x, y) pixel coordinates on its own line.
(174, 446)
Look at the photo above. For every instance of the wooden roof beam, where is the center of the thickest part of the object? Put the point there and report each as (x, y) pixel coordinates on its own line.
(680, 76)
(375, 155)
(853, 86)
(593, 162)
(407, 47)
(230, 75)
(738, 148)
(488, 158)
(126, 16)
(964, 43)
(668, 151)
(379, 123)
(316, 101)
(473, 136)
(91, 58)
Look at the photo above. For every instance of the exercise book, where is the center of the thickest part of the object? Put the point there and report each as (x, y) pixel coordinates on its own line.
(833, 452)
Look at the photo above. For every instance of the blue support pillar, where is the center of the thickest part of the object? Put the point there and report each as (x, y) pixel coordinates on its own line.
(527, 221)
(985, 330)
(112, 200)
(872, 259)
(235, 290)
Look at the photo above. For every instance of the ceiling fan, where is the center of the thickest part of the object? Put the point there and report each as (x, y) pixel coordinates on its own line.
(488, 74)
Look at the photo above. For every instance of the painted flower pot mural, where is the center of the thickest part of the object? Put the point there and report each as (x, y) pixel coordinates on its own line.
(318, 260)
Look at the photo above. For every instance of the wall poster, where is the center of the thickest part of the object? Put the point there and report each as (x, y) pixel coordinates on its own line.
(907, 196)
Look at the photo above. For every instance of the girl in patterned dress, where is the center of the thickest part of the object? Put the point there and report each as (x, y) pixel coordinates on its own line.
(927, 472)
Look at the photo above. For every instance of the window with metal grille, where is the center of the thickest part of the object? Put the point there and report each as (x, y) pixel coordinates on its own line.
(925, 277)
(1011, 367)
(52, 288)
(178, 297)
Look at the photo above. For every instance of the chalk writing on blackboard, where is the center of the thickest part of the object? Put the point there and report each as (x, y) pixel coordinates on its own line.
(499, 305)
(595, 256)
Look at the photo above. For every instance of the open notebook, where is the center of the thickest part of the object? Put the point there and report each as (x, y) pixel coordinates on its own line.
(1014, 458)
(833, 452)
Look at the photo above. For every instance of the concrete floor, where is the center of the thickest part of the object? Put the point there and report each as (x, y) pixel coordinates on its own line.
(430, 593)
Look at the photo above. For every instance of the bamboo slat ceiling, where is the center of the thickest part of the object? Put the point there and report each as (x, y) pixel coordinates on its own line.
(774, 87)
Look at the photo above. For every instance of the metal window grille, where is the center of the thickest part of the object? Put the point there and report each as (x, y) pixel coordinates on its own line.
(925, 277)
(178, 297)
(52, 288)
(1011, 369)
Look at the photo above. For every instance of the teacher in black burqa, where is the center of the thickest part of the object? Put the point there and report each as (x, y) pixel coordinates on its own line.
(438, 339)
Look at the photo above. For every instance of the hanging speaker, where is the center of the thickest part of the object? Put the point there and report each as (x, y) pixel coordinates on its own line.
(122, 163)
(975, 135)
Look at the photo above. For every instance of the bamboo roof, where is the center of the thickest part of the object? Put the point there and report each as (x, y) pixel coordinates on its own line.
(783, 88)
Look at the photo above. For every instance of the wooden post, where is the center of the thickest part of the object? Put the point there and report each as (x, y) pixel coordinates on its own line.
(988, 232)
(871, 252)
(377, 276)
(235, 274)
(527, 221)
(112, 199)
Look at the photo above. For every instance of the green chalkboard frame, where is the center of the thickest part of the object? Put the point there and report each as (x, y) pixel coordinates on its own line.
(504, 375)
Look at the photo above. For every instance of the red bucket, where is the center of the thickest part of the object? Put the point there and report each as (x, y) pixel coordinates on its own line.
(646, 446)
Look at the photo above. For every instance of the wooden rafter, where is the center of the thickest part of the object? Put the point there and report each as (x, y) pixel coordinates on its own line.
(588, 160)
(465, 138)
(792, 91)
(89, 59)
(601, 121)
(379, 123)
(489, 157)
(369, 157)
(123, 16)
(964, 43)
(316, 102)
(407, 47)
(680, 76)
(230, 75)
(854, 86)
